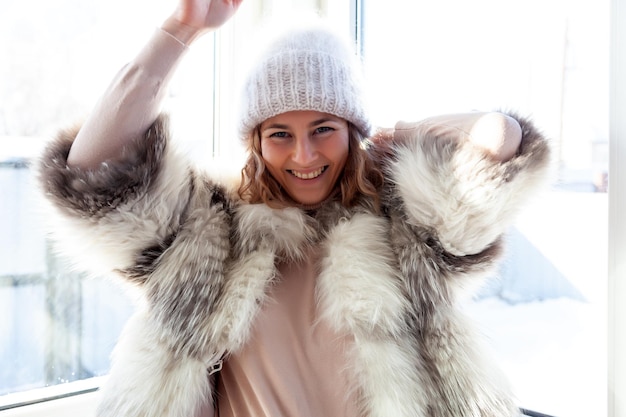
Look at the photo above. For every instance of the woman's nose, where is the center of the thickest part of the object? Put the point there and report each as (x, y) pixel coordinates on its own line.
(304, 151)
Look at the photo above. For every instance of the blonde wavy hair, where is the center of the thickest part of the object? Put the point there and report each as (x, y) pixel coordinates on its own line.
(360, 178)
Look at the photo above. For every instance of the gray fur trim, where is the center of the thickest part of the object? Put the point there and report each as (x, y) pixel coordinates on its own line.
(97, 192)
(188, 277)
(455, 191)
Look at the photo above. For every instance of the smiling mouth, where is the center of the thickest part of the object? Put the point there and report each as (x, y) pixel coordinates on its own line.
(309, 175)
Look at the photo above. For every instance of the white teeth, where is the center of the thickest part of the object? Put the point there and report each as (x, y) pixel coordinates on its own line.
(310, 175)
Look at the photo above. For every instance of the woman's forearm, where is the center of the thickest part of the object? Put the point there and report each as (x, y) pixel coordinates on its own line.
(130, 104)
(133, 100)
(497, 133)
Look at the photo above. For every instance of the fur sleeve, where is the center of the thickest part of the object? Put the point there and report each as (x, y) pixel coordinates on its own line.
(104, 219)
(454, 189)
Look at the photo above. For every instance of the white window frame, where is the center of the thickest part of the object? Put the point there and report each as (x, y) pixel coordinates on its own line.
(74, 398)
(55, 401)
(617, 207)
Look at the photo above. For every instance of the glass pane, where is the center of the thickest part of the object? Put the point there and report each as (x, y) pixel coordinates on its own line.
(56, 325)
(544, 314)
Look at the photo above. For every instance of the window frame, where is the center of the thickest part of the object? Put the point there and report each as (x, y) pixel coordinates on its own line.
(55, 401)
(616, 288)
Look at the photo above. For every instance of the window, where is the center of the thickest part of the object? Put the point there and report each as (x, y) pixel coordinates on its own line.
(545, 314)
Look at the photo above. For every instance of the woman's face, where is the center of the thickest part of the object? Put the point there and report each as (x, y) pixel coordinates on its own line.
(305, 151)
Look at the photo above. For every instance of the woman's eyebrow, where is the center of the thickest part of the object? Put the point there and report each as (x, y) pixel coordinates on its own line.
(275, 126)
(321, 121)
(283, 126)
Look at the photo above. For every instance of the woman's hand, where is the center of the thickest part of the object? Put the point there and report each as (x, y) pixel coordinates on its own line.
(193, 18)
(498, 134)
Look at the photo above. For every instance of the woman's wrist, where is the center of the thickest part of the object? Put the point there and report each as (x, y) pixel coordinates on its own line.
(183, 33)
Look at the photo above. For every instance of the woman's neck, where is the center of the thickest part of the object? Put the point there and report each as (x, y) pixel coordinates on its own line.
(313, 207)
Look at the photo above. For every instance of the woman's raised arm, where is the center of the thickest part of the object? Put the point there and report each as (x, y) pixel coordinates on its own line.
(133, 100)
(497, 133)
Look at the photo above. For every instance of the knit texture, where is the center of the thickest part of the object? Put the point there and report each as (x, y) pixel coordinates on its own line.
(309, 69)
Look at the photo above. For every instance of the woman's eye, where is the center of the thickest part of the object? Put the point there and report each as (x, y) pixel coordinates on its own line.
(324, 129)
(279, 135)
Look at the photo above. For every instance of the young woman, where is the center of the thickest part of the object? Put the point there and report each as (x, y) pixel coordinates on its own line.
(324, 281)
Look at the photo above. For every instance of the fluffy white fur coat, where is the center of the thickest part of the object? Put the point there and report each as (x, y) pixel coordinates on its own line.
(203, 261)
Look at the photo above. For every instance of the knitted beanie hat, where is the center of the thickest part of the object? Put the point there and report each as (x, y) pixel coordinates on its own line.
(304, 69)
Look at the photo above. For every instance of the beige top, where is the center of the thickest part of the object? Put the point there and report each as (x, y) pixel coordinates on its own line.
(292, 365)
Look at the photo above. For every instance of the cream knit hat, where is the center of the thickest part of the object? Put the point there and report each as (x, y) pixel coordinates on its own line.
(304, 69)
